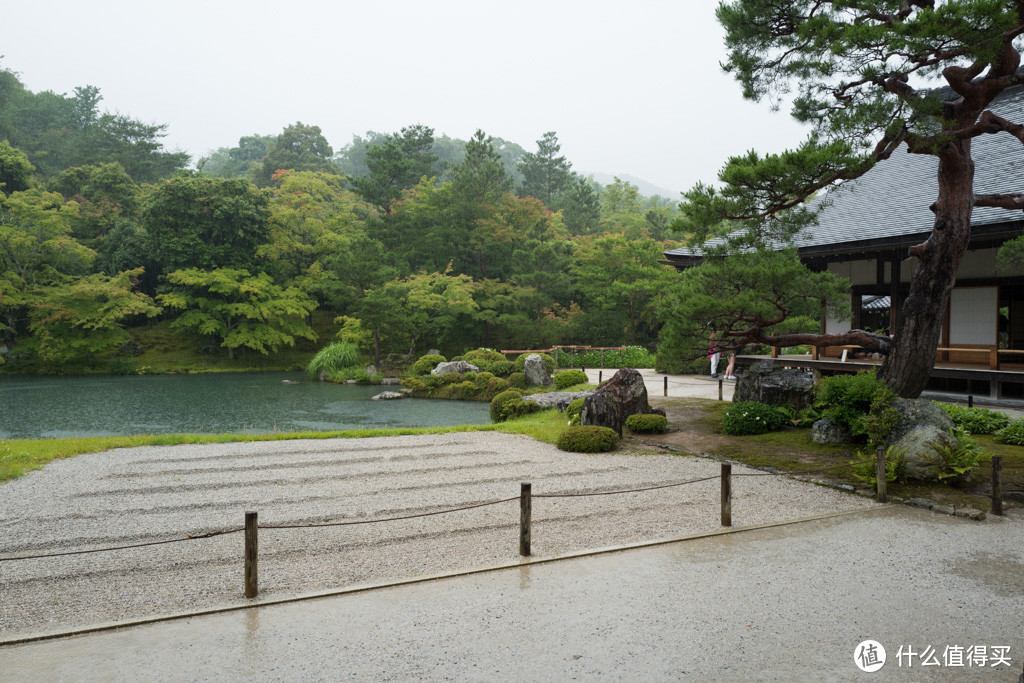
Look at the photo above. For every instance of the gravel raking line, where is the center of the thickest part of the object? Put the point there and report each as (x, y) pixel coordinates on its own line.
(139, 495)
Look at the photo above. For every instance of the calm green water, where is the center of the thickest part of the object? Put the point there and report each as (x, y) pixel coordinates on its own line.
(41, 407)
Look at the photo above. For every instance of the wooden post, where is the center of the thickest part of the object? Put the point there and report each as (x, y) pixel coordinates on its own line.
(524, 518)
(997, 484)
(726, 494)
(600, 375)
(970, 400)
(666, 385)
(881, 495)
(251, 528)
(720, 394)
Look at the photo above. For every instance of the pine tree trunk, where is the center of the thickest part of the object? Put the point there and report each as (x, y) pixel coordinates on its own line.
(919, 326)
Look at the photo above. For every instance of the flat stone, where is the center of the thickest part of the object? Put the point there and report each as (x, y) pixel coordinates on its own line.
(920, 503)
(556, 399)
(970, 513)
(459, 366)
(944, 509)
(388, 396)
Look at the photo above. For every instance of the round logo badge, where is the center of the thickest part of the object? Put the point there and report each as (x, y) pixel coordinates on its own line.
(869, 656)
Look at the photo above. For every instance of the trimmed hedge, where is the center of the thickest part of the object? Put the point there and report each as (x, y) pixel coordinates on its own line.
(566, 378)
(509, 404)
(483, 355)
(501, 368)
(587, 439)
(517, 380)
(646, 423)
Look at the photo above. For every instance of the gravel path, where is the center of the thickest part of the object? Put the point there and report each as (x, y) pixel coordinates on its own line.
(138, 495)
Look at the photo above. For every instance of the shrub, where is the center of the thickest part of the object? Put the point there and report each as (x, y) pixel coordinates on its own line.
(975, 420)
(502, 368)
(646, 423)
(517, 380)
(464, 391)
(425, 364)
(549, 362)
(798, 418)
(509, 404)
(861, 402)
(477, 356)
(332, 358)
(957, 463)
(1012, 433)
(572, 411)
(495, 386)
(414, 384)
(863, 466)
(567, 378)
(750, 417)
(484, 377)
(587, 439)
(448, 378)
(469, 376)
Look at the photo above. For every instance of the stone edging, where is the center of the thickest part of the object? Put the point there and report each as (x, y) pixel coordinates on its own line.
(864, 492)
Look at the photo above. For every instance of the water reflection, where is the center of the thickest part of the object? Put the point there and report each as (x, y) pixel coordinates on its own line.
(42, 407)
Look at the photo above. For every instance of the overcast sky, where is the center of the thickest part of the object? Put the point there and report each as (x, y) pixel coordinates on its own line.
(630, 87)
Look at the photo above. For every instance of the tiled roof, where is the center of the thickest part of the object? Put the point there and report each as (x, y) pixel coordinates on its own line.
(891, 201)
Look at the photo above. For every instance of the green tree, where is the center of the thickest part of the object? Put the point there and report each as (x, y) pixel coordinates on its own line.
(299, 147)
(15, 169)
(545, 173)
(581, 207)
(761, 296)
(855, 69)
(395, 165)
(240, 309)
(616, 281)
(78, 320)
(36, 250)
(195, 220)
(243, 161)
(311, 214)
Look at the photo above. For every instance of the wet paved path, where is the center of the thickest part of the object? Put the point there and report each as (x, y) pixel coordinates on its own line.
(787, 603)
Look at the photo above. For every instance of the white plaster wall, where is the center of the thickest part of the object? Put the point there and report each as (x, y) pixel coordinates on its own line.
(973, 313)
(838, 325)
(980, 263)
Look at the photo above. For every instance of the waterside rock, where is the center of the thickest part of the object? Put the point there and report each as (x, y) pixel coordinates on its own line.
(459, 366)
(389, 396)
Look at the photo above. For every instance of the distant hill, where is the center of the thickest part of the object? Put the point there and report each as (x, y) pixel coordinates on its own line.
(647, 189)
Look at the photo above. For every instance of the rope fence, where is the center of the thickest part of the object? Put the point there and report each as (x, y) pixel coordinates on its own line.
(525, 499)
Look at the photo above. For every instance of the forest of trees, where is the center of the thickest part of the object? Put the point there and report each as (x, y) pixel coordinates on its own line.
(409, 240)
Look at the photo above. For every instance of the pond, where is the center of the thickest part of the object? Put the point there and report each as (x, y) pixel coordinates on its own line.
(43, 407)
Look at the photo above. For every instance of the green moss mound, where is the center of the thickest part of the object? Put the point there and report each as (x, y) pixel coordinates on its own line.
(501, 368)
(517, 380)
(572, 411)
(509, 404)
(646, 424)
(587, 439)
(564, 379)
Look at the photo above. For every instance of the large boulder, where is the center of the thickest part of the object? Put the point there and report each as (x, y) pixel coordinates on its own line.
(556, 399)
(459, 366)
(623, 395)
(921, 426)
(536, 374)
(916, 412)
(918, 446)
(768, 383)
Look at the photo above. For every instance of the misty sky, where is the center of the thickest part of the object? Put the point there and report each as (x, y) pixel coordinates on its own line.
(630, 88)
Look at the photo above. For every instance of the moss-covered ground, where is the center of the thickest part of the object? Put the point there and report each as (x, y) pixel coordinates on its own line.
(696, 428)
